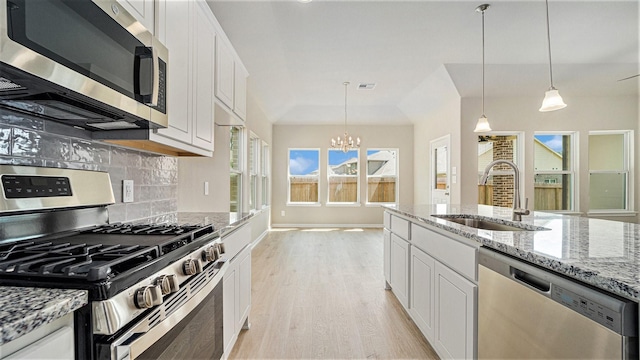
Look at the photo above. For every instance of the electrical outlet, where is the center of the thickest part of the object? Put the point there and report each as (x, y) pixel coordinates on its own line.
(127, 191)
(282, 213)
(206, 188)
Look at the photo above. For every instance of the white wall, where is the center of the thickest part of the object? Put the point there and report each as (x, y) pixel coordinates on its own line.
(582, 114)
(439, 98)
(319, 136)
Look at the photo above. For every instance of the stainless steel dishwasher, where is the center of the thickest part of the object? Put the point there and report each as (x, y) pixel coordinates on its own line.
(527, 312)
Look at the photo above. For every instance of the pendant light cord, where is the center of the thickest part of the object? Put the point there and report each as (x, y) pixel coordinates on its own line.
(482, 62)
(345, 106)
(549, 45)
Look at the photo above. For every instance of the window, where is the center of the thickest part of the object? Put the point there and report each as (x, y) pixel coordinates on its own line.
(304, 176)
(382, 176)
(235, 172)
(264, 172)
(499, 188)
(254, 149)
(342, 173)
(609, 176)
(554, 171)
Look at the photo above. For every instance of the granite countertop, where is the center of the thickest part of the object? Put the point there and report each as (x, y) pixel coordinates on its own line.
(222, 221)
(605, 254)
(23, 309)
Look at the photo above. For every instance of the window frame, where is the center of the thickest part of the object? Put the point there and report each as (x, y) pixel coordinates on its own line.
(239, 172)
(575, 141)
(317, 177)
(357, 177)
(264, 174)
(254, 170)
(396, 176)
(628, 161)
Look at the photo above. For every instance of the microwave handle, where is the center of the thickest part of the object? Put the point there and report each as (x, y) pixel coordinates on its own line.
(147, 75)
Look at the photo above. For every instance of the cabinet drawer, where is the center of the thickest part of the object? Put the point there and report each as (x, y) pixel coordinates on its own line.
(456, 255)
(400, 227)
(386, 220)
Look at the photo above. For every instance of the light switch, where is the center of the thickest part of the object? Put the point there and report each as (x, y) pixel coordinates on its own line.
(454, 170)
(206, 188)
(454, 179)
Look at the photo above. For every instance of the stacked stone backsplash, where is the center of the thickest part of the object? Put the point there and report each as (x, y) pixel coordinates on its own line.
(34, 142)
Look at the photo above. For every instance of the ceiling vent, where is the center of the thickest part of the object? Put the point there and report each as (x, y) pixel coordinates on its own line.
(366, 86)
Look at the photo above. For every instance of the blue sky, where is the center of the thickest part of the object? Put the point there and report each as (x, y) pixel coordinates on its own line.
(303, 162)
(337, 157)
(552, 141)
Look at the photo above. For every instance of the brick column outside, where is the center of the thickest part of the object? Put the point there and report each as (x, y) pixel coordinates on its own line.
(502, 184)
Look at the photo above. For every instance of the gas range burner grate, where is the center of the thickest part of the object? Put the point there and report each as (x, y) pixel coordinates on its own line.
(91, 262)
(146, 229)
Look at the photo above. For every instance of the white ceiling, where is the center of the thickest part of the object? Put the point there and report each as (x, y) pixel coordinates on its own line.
(298, 55)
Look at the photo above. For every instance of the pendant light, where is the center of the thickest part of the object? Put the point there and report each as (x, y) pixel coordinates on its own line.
(552, 99)
(345, 144)
(483, 124)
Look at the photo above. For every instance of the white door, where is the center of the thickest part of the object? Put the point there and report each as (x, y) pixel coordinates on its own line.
(440, 170)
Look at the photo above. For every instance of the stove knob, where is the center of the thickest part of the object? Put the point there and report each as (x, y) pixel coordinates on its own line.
(220, 247)
(167, 283)
(191, 267)
(147, 297)
(209, 254)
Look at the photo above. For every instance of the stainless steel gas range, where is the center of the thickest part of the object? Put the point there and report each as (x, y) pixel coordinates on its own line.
(155, 290)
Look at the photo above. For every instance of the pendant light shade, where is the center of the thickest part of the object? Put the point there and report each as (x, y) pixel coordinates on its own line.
(483, 123)
(552, 99)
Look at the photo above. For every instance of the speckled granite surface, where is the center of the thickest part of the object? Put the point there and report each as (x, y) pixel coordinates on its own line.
(605, 254)
(221, 221)
(24, 309)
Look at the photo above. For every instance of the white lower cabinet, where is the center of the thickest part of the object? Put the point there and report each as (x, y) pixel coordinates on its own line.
(387, 257)
(54, 340)
(434, 276)
(399, 268)
(422, 276)
(455, 318)
(236, 298)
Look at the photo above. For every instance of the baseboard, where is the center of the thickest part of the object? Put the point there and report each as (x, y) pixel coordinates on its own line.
(257, 241)
(340, 226)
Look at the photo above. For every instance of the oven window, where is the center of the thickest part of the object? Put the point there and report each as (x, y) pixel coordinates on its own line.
(78, 35)
(198, 336)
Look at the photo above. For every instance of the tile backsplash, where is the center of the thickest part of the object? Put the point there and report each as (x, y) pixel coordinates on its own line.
(28, 141)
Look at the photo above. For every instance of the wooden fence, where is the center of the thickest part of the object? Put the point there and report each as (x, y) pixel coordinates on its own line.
(343, 190)
(546, 196)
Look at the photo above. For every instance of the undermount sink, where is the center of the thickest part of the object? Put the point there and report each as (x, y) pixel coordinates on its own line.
(485, 223)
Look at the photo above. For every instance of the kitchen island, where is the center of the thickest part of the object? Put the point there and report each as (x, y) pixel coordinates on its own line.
(432, 255)
(598, 252)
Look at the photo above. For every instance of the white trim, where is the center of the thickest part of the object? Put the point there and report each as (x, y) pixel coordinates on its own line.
(259, 238)
(339, 204)
(303, 204)
(340, 226)
(629, 162)
(612, 213)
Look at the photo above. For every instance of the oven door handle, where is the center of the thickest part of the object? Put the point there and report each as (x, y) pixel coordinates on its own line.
(142, 336)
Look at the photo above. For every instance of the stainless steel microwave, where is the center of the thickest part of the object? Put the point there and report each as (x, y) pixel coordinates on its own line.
(84, 63)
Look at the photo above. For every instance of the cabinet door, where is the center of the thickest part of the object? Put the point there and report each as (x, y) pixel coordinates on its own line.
(224, 73)
(240, 92)
(387, 255)
(203, 64)
(400, 269)
(244, 285)
(422, 291)
(455, 321)
(229, 308)
(178, 41)
(142, 10)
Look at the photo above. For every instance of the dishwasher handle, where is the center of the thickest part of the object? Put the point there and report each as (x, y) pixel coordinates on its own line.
(530, 280)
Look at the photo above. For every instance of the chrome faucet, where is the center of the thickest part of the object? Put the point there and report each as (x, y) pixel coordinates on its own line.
(517, 211)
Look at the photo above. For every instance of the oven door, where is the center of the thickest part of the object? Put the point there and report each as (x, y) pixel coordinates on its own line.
(188, 325)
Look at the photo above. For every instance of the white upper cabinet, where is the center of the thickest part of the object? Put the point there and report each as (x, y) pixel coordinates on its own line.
(240, 91)
(142, 10)
(187, 30)
(225, 73)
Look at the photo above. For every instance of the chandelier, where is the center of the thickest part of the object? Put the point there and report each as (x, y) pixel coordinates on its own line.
(345, 143)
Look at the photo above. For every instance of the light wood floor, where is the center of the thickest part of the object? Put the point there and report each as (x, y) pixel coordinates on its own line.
(320, 294)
